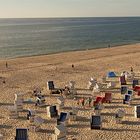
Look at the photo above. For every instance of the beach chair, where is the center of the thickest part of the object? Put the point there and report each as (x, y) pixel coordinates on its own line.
(129, 76)
(36, 125)
(18, 102)
(96, 122)
(91, 83)
(111, 84)
(59, 133)
(87, 102)
(63, 118)
(127, 99)
(138, 93)
(137, 88)
(19, 97)
(21, 134)
(111, 74)
(98, 100)
(122, 80)
(96, 88)
(72, 84)
(72, 88)
(37, 91)
(137, 111)
(130, 92)
(40, 101)
(52, 111)
(50, 85)
(13, 113)
(124, 89)
(19, 105)
(81, 102)
(107, 98)
(53, 89)
(135, 83)
(104, 79)
(30, 115)
(60, 102)
(119, 115)
(98, 108)
(73, 114)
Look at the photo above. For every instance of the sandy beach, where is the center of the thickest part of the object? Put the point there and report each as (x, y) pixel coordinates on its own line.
(23, 74)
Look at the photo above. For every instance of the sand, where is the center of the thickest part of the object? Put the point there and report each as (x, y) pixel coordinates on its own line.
(23, 74)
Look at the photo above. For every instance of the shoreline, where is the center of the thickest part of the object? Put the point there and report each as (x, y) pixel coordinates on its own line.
(67, 52)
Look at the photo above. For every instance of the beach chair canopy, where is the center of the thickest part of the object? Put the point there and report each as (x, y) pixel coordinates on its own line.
(111, 74)
(123, 80)
(128, 75)
(130, 92)
(127, 97)
(135, 83)
(53, 109)
(96, 120)
(123, 89)
(99, 99)
(108, 97)
(50, 85)
(21, 134)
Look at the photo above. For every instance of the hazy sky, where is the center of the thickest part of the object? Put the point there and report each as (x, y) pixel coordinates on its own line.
(68, 8)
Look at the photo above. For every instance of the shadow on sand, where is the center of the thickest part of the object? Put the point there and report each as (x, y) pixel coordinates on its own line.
(5, 126)
(46, 131)
(118, 130)
(131, 123)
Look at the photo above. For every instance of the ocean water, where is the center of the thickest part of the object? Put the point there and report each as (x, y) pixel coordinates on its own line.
(28, 37)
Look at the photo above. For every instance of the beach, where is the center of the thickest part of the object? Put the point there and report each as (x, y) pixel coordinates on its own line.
(23, 74)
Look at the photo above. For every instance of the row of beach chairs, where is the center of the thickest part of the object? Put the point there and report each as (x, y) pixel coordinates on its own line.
(63, 118)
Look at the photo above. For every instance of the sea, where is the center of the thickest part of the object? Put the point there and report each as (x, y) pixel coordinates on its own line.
(40, 36)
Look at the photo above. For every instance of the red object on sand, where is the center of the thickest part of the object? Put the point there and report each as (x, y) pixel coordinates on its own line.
(138, 93)
(99, 99)
(137, 88)
(107, 98)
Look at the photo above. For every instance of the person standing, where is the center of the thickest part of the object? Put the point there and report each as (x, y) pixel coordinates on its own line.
(131, 69)
(6, 65)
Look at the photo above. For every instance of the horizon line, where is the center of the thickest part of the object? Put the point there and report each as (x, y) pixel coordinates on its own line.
(68, 17)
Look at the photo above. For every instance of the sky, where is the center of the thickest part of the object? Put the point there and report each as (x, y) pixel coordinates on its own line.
(68, 8)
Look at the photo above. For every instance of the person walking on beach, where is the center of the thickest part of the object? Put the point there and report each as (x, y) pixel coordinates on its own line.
(131, 69)
(6, 65)
(72, 65)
